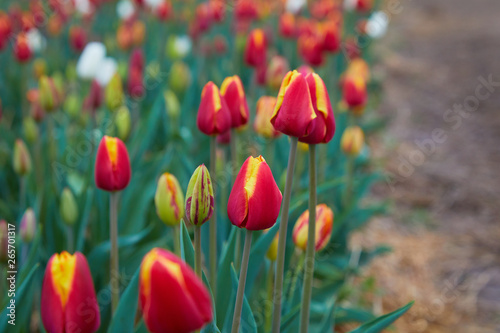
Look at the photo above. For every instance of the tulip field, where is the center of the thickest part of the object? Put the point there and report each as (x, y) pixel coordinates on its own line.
(187, 166)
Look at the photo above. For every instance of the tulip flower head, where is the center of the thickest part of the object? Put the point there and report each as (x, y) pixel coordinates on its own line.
(255, 50)
(68, 297)
(255, 199)
(169, 200)
(294, 113)
(262, 124)
(272, 252)
(112, 165)
(77, 38)
(28, 225)
(352, 141)
(22, 48)
(323, 126)
(214, 116)
(21, 159)
(68, 207)
(199, 197)
(233, 93)
(277, 69)
(354, 91)
(324, 224)
(172, 298)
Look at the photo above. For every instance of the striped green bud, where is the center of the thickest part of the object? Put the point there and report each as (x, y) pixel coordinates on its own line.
(199, 197)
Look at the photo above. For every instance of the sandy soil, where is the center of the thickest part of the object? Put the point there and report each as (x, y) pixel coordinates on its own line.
(442, 157)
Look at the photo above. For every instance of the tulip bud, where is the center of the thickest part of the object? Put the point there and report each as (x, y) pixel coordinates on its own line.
(180, 77)
(68, 207)
(48, 94)
(234, 94)
(354, 92)
(287, 25)
(255, 50)
(124, 36)
(199, 197)
(324, 224)
(169, 200)
(94, 99)
(272, 252)
(77, 38)
(138, 32)
(22, 49)
(294, 112)
(123, 122)
(358, 67)
(364, 5)
(5, 29)
(72, 105)
(21, 159)
(255, 199)
(172, 104)
(112, 165)
(68, 292)
(172, 298)
(214, 116)
(352, 141)
(28, 225)
(311, 49)
(262, 124)
(30, 129)
(39, 67)
(323, 126)
(276, 71)
(114, 93)
(164, 10)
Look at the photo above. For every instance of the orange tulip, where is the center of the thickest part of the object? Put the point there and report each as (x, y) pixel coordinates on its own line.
(262, 124)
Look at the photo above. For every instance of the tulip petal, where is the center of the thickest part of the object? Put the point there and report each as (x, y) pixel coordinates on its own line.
(51, 307)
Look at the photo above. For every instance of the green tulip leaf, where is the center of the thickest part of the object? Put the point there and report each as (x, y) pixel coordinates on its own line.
(124, 317)
(382, 322)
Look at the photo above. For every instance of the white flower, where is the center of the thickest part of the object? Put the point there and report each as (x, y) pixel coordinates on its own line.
(90, 60)
(182, 45)
(125, 9)
(84, 7)
(376, 26)
(36, 41)
(106, 70)
(153, 4)
(294, 6)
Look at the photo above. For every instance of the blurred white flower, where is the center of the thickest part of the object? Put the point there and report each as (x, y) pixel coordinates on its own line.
(349, 5)
(182, 45)
(84, 7)
(153, 4)
(106, 70)
(294, 6)
(125, 9)
(376, 26)
(90, 60)
(35, 40)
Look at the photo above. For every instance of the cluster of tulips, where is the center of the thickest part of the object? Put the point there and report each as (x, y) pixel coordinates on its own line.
(105, 112)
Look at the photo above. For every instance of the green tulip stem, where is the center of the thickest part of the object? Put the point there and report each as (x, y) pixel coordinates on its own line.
(69, 236)
(234, 171)
(311, 242)
(295, 276)
(177, 239)
(350, 180)
(280, 263)
(213, 222)
(197, 251)
(241, 284)
(113, 234)
(270, 284)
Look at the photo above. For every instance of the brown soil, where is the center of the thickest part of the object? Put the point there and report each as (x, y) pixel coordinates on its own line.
(443, 226)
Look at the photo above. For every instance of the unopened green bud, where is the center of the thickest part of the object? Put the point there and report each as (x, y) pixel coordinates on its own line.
(123, 122)
(30, 129)
(48, 95)
(114, 93)
(68, 207)
(172, 104)
(169, 200)
(22, 159)
(72, 105)
(180, 77)
(28, 226)
(199, 197)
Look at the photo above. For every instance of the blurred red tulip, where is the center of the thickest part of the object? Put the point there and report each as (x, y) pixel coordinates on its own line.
(69, 301)
(77, 38)
(234, 94)
(214, 116)
(262, 124)
(330, 35)
(94, 99)
(287, 25)
(354, 91)
(164, 10)
(246, 10)
(255, 199)
(22, 50)
(311, 49)
(5, 29)
(364, 5)
(255, 50)
(277, 69)
(324, 224)
(218, 9)
(112, 165)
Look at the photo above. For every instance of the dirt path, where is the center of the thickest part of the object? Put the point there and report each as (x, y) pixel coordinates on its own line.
(442, 151)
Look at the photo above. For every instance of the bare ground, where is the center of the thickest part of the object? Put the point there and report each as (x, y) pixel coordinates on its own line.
(443, 166)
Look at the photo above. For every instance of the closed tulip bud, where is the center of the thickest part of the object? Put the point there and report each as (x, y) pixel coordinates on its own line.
(169, 200)
(68, 292)
(124, 36)
(22, 49)
(164, 10)
(294, 112)
(112, 165)
(214, 116)
(272, 252)
(172, 104)
(30, 129)
(352, 141)
(68, 207)
(113, 93)
(262, 124)
(277, 69)
(123, 122)
(28, 225)
(287, 25)
(330, 34)
(311, 49)
(364, 5)
(3, 240)
(354, 91)
(323, 126)
(233, 93)
(358, 67)
(199, 197)
(72, 104)
(22, 159)
(255, 199)
(171, 296)
(138, 32)
(39, 68)
(94, 99)
(180, 77)
(77, 38)
(48, 94)
(255, 49)
(324, 224)
(5, 29)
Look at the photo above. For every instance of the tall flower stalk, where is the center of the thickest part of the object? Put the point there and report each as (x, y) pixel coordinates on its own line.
(113, 237)
(213, 222)
(241, 284)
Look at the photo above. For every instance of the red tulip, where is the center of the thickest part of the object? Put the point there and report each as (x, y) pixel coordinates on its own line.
(112, 165)
(277, 69)
(172, 298)
(218, 9)
(294, 112)
(22, 50)
(5, 29)
(255, 50)
(164, 10)
(94, 99)
(213, 114)
(246, 10)
(287, 25)
(364, 5)
(324, 224)
(354, 91)
(330, 35)
(77, 38)
(323, 126)
(255, 199)
(311, 49)
(262, 124)
(233, 93)
(69, 302)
